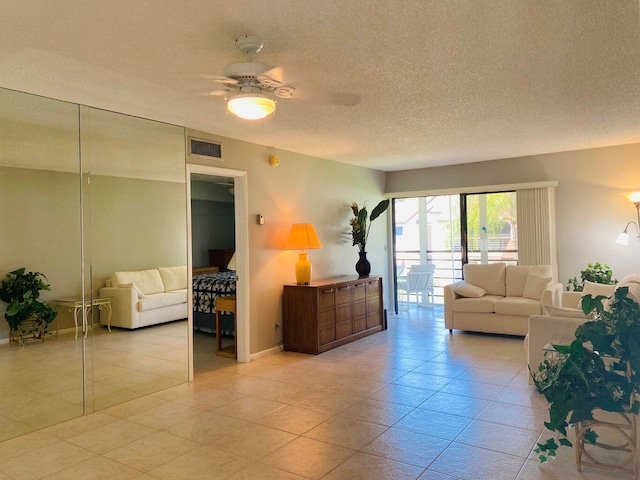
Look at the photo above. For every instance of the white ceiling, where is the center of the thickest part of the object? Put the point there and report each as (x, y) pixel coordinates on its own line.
(441, 82)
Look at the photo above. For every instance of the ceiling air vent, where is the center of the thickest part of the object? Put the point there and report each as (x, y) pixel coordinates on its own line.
(205, 149)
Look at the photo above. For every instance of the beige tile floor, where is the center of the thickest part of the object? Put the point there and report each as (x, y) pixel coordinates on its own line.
(41, 383)
(412, 402)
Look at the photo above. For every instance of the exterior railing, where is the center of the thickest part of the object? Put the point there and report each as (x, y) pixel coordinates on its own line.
(448, 269)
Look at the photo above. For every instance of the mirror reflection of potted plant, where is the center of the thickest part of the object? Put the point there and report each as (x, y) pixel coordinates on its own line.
(27, 316)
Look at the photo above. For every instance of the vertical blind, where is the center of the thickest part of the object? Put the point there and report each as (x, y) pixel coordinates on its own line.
(537, 231)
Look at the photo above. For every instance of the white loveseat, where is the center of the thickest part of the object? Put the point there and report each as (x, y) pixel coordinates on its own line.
(499, 298)
(146, 297)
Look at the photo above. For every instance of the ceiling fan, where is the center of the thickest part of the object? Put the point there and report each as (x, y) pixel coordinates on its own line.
(250, 87)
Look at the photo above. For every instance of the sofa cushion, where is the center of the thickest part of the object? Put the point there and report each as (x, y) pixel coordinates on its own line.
(517, 277)
(159, 300)
(535, 285)
(475, 305)
(518, 306)
(465, 289)
(490, 277)
(148, 281)
(174, 278)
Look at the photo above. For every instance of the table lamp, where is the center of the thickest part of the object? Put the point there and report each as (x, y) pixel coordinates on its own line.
(303, 237)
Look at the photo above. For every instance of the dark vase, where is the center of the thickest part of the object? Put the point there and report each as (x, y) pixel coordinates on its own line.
(363, 267)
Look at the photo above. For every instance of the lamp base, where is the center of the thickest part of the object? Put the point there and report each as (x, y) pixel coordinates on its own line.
(303, 269)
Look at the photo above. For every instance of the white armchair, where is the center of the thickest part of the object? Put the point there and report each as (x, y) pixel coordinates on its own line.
(545, 330)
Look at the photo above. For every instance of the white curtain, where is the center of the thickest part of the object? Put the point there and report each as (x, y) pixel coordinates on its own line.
(537, 231)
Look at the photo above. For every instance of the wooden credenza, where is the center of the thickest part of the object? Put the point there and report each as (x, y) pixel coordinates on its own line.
(331, 312)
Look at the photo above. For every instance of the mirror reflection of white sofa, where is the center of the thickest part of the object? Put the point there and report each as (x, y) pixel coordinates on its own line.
(499, 298)
(146, 297)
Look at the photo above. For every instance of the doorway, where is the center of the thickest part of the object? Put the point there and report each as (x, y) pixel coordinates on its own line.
(236, 181)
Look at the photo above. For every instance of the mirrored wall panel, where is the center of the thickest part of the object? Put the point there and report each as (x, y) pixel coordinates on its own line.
(96, 202)
(135, 238)
(41, 373)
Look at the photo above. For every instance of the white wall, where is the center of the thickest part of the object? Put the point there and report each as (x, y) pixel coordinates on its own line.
(592, 204)
(300, 189)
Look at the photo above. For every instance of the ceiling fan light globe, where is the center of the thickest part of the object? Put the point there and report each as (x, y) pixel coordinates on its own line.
(251, 106)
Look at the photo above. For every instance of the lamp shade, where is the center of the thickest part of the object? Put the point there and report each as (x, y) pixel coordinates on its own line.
(623, 238)
(302, 237)
(251, 106)
(232, 262)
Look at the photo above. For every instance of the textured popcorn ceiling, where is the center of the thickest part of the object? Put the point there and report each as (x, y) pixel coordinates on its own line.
(442, 82)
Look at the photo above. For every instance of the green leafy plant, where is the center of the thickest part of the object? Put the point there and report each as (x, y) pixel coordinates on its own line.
(598, 371)
(596, 273)
(21, 291)
(359, 226)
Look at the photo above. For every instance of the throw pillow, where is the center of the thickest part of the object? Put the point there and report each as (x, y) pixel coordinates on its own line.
(595, 289)
(465, 289)
(136, 289)
(564, 312)
(535, 285)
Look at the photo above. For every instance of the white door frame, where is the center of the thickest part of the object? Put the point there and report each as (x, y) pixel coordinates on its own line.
(241, 208)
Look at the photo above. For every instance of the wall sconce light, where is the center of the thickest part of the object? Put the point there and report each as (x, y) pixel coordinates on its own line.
(303, 237)
(623, 238)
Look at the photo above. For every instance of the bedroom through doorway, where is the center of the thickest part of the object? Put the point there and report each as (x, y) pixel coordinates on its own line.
(216, 259)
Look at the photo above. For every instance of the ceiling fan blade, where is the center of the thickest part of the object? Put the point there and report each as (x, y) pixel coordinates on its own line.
(274, 74)
(268, 81)
(326, 96)
(221, 79)
(220, 93)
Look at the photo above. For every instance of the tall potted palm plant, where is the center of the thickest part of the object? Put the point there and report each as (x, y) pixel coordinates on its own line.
(360, 226)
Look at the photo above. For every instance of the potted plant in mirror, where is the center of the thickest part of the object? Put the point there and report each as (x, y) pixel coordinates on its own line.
(360, 226)
(26, 315)
(596, 273)
(597, 372)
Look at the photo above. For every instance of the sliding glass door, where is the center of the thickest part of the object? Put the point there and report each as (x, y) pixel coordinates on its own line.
(491, 227)
(451, 230)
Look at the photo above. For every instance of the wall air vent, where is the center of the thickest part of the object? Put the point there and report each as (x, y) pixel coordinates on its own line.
(205, 149)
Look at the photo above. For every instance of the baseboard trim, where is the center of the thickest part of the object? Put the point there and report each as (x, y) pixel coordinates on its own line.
(264, 353)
